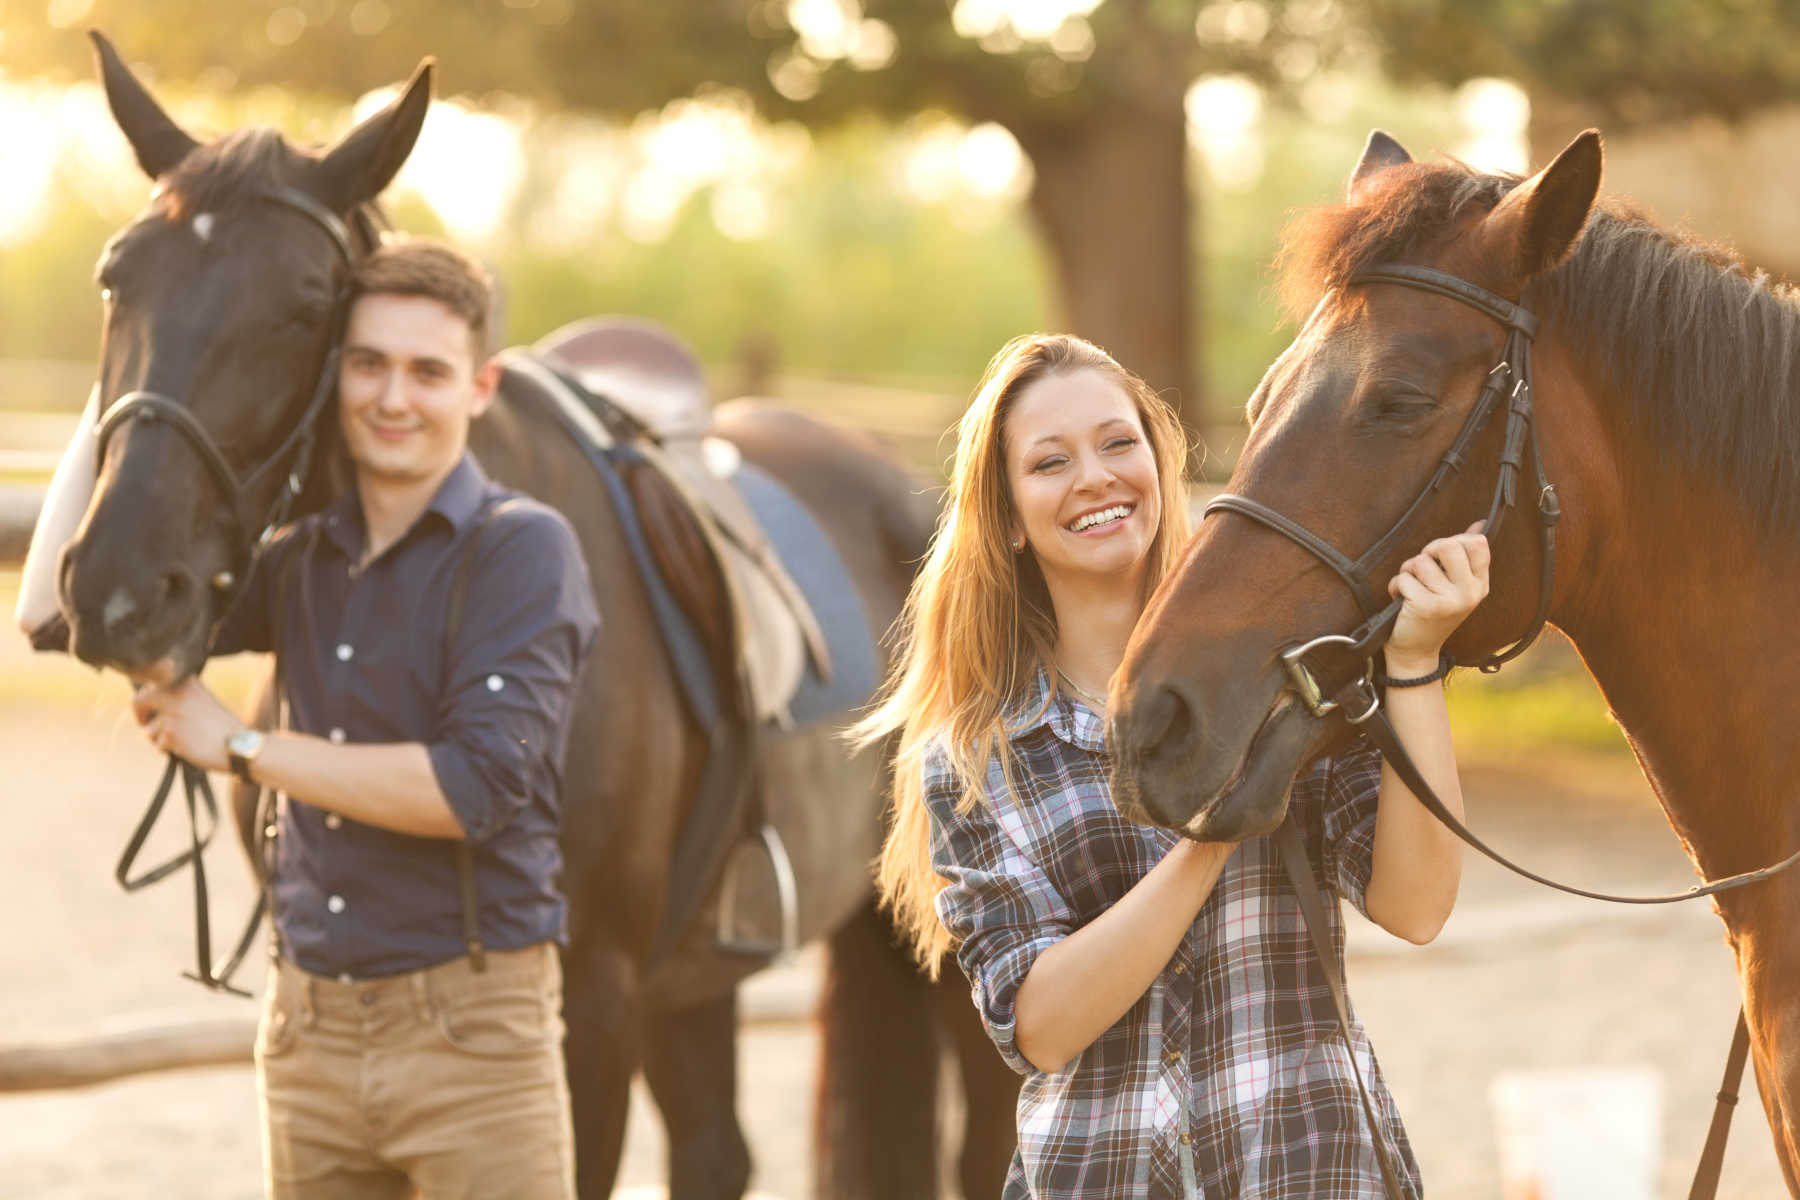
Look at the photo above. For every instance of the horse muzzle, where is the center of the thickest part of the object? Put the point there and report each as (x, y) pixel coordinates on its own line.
(1212, 779)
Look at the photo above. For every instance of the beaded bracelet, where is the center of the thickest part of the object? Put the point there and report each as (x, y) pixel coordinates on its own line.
(1445, 662)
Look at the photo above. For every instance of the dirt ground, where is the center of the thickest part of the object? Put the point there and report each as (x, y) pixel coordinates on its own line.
(1520, 980)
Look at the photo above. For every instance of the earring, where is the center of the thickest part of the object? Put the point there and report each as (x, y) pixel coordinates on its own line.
(1018, 545)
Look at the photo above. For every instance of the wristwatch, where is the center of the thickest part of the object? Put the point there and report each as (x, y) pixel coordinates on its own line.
(242, 748)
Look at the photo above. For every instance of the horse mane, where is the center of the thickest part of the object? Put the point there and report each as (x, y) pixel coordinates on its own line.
(1703, 348)
(232, 170)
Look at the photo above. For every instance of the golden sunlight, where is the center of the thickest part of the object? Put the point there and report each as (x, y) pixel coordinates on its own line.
(32, 152)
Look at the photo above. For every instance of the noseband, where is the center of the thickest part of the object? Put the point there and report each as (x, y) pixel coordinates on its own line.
(154, 406)
(1509, 378)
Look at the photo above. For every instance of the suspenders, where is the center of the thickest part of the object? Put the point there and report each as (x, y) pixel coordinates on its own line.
(465, 853)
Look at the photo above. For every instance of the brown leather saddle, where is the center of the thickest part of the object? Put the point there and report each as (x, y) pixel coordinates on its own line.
(655, 379)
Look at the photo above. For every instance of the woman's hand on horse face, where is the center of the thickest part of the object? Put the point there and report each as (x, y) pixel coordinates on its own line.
(186, 720)
(1438, 587)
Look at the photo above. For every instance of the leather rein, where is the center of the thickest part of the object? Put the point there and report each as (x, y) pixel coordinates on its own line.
(298, 446)
(1510, 378)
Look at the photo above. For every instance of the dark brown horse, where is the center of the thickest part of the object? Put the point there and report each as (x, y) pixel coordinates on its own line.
(221, 299)
(1667, 379)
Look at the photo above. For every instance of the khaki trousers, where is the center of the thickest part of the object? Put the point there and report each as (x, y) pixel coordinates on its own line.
(444, 1083)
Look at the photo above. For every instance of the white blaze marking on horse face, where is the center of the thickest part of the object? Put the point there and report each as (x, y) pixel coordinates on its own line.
(203, 227)
(118, 606)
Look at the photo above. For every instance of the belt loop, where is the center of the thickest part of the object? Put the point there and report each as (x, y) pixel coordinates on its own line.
(309, 1013)
(421, 992)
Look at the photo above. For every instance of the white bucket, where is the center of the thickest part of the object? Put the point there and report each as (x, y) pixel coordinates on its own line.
(1579, 1133)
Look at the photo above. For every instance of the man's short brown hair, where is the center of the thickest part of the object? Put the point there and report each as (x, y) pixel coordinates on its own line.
(423, 267)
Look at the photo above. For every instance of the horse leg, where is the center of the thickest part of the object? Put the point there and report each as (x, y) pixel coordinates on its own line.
(690, 1063)
(990, 1090)
(876, 1128)
(601, 1011)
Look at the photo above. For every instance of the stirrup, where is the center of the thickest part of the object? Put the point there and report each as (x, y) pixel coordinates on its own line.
(786, 893)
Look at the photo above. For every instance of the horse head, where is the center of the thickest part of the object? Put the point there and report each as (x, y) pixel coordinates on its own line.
(223, 300)
(1348, 430)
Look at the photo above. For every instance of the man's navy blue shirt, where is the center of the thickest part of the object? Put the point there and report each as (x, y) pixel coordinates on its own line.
(364, 659)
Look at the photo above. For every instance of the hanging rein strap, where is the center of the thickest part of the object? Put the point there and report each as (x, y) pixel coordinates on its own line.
(1292, 848)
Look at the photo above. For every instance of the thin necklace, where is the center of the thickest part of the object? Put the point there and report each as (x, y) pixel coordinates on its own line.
(1097, 703)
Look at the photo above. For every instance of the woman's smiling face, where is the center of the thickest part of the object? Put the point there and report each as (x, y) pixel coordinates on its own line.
(1082, 475)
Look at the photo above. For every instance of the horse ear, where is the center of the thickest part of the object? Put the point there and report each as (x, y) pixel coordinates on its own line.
(157, 141)
(1379, 153)
(1536, 224)
(366, 159)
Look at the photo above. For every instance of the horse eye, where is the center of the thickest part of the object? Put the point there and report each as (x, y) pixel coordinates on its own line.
(1404, 405)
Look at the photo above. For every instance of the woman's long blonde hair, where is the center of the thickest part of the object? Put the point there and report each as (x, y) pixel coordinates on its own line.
(979, 623)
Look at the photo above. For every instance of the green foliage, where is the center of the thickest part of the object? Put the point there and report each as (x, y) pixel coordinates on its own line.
(1563, 710)
(852, 279)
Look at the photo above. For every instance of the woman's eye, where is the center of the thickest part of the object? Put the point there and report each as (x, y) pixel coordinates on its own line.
(1121, 443)
(1049, 464)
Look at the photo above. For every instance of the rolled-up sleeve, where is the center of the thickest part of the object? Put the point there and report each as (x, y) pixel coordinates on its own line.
(998, 904)
(1349, 784)
(528, 623)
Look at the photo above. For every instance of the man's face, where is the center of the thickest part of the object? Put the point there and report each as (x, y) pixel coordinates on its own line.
(408, 386)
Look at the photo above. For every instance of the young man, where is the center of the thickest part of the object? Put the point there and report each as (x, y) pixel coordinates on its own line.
(392, 1055)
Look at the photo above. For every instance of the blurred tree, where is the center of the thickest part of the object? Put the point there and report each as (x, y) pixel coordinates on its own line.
(1094, 92)
(1628, 62)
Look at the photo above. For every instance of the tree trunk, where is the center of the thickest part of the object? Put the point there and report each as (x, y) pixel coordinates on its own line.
(1111, 198)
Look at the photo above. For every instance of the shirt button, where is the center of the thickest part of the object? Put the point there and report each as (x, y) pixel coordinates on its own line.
(333, 821)
(334, 904)
(1181, 968)
(1187, 1139)
(336, 735)
(495, 683)
(1173, 1056)
(344, 652)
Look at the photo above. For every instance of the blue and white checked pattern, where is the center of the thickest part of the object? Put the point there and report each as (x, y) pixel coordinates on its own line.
(1228, 1078)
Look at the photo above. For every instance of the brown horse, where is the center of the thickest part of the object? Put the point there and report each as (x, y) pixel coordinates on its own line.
(220, 302)
(1666, 382)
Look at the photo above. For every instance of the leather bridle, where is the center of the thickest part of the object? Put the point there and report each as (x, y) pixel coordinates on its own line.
(296, 449)
(300, 441)
(1511, 377)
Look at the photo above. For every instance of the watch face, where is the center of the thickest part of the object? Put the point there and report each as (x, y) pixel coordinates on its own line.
(245, 742)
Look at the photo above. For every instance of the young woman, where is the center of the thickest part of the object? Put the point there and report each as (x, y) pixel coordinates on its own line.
(1158, 994)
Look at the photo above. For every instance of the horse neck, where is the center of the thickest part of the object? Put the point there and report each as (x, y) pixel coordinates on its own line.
(1683, 618)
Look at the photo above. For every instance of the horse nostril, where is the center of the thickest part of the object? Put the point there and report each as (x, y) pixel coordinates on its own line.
(1166, 724)
(177, 590)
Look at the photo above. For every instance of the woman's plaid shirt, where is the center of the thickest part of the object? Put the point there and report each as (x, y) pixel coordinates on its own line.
(1228, 1078)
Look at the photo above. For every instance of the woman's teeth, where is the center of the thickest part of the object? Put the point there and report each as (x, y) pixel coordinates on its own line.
(1117, 512)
